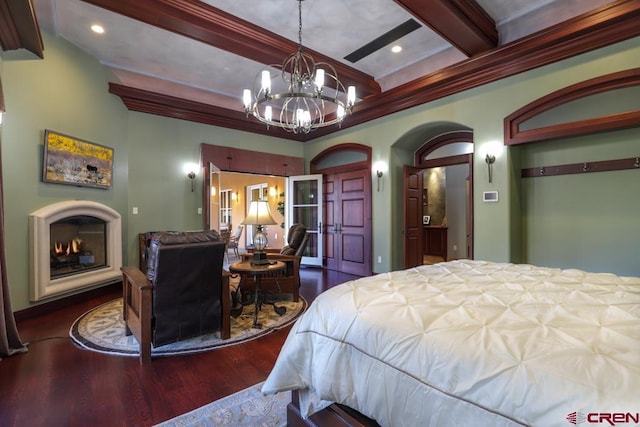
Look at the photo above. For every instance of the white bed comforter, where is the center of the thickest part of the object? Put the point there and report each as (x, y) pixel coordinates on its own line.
(470, 343)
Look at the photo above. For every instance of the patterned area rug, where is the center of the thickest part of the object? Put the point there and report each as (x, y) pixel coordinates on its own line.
(102, 329)
(246, 408)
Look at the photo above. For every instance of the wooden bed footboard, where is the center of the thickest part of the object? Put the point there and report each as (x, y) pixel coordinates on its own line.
(335, 415)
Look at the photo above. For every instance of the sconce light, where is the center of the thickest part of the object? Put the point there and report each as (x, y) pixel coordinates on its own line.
(379, 174)
(490, 159)
(234, 196)
(273, 191)
(192, 177)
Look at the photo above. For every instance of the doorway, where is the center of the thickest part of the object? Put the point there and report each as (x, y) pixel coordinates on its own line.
(347, 230)
(438, 201)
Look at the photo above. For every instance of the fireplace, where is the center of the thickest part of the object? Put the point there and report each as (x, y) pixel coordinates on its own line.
(77, 244)
(74, 245)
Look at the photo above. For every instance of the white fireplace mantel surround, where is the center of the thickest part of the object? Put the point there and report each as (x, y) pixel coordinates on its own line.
(42, 286)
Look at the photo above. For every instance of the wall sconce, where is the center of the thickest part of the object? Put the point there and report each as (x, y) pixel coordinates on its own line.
(273, 191)
(234, 196)
(490, 159)
(380, 167)
(192, 177)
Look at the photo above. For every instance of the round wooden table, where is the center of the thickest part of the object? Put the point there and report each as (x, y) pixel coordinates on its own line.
(257, 271)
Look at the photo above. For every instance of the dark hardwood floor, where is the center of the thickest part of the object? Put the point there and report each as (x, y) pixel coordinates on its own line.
(57, 384)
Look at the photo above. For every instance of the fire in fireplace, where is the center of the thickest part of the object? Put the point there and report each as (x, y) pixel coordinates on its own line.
(77, 244)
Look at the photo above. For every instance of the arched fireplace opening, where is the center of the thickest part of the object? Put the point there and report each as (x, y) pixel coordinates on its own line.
(75, 244)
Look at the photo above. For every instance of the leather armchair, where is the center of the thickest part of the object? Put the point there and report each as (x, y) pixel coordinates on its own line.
(185, 292)
(291, 254)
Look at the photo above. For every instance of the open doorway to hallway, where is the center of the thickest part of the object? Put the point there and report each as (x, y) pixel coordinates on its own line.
(444, 213)
(438, 201)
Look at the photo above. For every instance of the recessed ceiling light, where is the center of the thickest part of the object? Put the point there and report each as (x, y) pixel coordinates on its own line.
(99, 29)
(396, 49)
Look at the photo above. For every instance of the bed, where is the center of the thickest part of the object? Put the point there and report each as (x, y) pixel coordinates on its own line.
(470, 343)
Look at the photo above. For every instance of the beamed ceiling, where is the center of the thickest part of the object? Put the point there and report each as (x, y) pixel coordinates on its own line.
(191, 59)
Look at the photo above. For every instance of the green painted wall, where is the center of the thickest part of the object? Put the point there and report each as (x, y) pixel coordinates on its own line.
(67, 92)
(587, 221)
(498, 226)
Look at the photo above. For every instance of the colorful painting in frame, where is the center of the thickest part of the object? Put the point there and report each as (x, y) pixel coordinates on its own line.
(73, 161)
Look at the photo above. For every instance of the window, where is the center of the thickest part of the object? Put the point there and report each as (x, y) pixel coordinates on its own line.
(225, 209)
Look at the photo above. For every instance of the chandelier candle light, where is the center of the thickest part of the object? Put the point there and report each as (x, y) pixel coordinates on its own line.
(300, 102)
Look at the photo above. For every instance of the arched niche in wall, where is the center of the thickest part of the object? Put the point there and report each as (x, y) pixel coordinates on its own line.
(350, 156)
(448, 148)
(605, 103)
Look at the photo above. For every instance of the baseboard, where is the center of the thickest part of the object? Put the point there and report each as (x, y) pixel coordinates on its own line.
(49, 307)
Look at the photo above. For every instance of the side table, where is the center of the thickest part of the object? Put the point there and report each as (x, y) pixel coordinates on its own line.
(257, 272)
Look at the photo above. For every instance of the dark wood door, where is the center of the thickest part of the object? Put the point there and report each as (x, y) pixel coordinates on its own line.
(347, 204)
(412, 228)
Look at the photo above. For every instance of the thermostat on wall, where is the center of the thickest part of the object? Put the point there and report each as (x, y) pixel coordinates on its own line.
(490, 196)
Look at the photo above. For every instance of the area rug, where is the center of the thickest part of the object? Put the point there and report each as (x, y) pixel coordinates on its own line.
(102, 329)
(246, 408)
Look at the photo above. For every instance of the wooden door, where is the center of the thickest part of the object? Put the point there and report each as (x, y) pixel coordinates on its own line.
(348, 222)
(469, 189)
(412, 234)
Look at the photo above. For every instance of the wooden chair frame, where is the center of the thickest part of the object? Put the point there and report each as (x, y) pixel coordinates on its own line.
(137, 312)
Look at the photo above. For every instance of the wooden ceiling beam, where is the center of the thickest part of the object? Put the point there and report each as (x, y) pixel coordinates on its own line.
(609, 24)
(604, 26)
(463, 23)
(19, 27)
(215, 27)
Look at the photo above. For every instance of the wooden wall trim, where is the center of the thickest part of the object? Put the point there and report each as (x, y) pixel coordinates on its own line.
(580, 168)
(604, 26)
(145, 101)
(2, 109)
(215, 27)
(232, 159)
(628, 78)
(350, 146)
(609, 24)
(440, 141)
(19, 27)
(462, 22)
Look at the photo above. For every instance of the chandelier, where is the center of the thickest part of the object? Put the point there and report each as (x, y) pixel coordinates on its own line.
(296, 98)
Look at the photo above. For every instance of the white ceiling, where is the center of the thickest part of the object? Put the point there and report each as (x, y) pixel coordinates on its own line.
(149, 57)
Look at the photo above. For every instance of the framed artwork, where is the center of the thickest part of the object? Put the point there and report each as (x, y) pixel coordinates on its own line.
(426, 219)
(73, 161)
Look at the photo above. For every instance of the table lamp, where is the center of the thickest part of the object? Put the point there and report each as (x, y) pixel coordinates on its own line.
(260, 216)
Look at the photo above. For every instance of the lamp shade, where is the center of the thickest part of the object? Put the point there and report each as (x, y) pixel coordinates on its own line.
(259, 214)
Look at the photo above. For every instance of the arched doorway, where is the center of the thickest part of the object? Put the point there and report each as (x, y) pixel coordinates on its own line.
(346, 177)
(437, 213)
